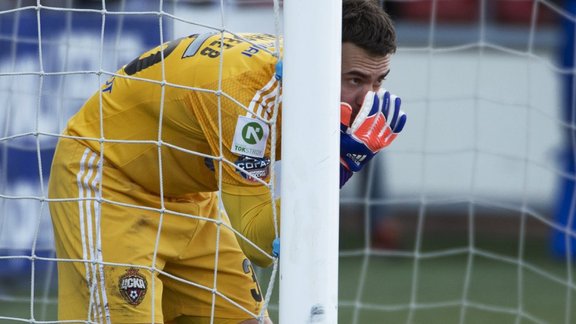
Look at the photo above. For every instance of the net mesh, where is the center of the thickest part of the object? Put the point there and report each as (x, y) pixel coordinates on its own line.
(460, 214)
(467, 218)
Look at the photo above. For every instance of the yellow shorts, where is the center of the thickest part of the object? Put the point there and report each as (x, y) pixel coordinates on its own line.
(121, 260)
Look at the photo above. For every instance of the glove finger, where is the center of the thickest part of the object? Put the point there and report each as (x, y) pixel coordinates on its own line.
(401, 122)
(385, 102)
(380, 100)
(345, 114)
(393, 119)
(378, 121)
(370, 101)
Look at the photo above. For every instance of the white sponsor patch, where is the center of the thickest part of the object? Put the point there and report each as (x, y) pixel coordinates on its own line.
(250, 137)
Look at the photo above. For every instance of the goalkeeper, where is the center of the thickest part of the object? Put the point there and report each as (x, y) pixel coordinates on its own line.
(134, 187)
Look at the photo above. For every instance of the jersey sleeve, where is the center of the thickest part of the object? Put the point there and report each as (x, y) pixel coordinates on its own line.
(254, 219)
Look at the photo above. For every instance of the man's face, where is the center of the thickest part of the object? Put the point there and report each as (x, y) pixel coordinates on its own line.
(361, 73)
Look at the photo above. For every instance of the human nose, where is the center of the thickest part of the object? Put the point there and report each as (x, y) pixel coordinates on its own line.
(361, 94)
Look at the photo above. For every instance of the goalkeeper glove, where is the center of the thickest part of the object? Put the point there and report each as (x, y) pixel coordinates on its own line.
(377, 124)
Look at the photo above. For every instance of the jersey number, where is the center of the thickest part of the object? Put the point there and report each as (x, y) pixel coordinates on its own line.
(247, 267)
(139, 64)
(213, 50)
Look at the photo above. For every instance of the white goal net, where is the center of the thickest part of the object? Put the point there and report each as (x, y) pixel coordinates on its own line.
(467, 218)
(55, 55)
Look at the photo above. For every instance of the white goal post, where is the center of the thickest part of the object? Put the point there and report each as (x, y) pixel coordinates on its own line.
(310, 157)
(453, 223)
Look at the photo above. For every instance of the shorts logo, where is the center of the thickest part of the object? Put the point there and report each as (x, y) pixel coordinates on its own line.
(254, 168)
(250, 137)
(133, 286)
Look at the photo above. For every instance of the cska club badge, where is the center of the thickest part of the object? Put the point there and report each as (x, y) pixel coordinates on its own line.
(133, 286)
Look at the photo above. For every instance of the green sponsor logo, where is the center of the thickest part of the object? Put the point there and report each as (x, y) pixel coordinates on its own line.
(252, 133)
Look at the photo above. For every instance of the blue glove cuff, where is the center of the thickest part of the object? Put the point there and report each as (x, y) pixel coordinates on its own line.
(353, 153)
(345, 175)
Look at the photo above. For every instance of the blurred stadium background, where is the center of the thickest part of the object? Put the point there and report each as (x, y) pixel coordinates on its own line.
(468, 218)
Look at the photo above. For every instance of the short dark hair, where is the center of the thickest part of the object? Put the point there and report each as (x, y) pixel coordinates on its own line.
(366, 25)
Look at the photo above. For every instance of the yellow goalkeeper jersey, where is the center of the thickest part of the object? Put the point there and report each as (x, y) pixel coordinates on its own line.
(183, 113)
(194, 98)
